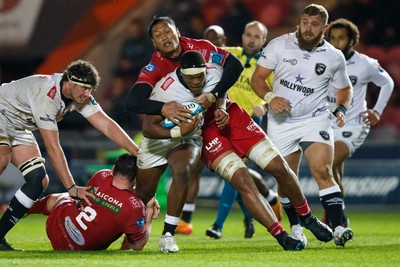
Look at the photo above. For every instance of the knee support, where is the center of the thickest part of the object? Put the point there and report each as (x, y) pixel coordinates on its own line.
(229, 165)
(33, 171)
(263, 153)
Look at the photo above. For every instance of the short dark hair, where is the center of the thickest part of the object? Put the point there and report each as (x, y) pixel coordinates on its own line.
(82, 72)
(158, 19)
(314, 9)
(125, 165)
(352, 30)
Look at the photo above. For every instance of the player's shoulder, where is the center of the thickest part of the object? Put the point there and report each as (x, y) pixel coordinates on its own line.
(100, 177)
(363, 58)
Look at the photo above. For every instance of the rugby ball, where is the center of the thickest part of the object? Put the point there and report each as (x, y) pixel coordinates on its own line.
(194, 107)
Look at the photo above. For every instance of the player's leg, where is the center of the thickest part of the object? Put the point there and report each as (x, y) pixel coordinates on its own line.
(320, 159)
(182, 160)
(267, 157)
(147, 182)
(28, 159)
(185, 226)
(45, 204)
(226, 201)
(232, 168)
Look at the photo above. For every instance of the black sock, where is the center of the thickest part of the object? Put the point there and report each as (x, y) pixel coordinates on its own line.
(333, 205)
(187, 216)
(169, 228)
(12, 215)
(291, 213)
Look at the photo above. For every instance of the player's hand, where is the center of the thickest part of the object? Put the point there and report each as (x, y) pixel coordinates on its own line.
(221, 118)
(152, 208)
(80, 193)
(370, 117)
(175, 112)
(190, 125)
(205, 100)
(280, 104)
(340, 119)
(259, 111)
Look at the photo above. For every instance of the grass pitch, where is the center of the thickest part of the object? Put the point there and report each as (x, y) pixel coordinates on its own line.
(376, 243)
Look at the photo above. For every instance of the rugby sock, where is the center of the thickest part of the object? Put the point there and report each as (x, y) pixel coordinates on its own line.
(333, 204)
(290, 211)
(187, 212)
(228, 197)
(40, 206)
(170, 224)
(12, 215)
(275, 229)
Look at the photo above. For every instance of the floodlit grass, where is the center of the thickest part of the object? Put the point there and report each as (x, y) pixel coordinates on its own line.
(376, 243)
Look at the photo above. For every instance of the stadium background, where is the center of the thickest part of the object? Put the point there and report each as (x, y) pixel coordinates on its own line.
(43, 36)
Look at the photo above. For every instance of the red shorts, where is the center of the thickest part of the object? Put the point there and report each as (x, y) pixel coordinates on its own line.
(241, 134)
(55, 224)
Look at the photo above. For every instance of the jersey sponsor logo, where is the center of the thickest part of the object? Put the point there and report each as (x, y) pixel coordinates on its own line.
(107, 201)
(292, 61)
(306, 56)
(167, 83)
(135, 202)
(73, 231)
(216, 57)
(214, 145)
(297, 87)
(347, 134)
(140, 223)
(52, 92)
(331, 99)
(252, 127)
(353, 79)
(47, 118)
(324, 135)
(150, 67)
(320, 68)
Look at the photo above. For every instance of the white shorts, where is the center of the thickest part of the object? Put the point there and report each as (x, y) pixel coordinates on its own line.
(288, 136)
(154, 152)
(352, 135)
(10, 136)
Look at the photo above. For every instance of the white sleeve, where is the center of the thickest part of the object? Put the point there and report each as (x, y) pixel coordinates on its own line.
(340, 78)
(269, 56)
(383, 80)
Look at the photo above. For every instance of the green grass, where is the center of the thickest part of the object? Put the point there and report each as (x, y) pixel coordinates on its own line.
(376, 243)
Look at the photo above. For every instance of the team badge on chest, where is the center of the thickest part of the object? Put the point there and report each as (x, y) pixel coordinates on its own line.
(320, 68)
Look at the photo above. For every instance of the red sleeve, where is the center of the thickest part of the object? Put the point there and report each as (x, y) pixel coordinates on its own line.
(134, 226)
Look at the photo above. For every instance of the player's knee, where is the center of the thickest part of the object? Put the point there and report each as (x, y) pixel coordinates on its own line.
(263, 153)
(35, 176)
(229, 165)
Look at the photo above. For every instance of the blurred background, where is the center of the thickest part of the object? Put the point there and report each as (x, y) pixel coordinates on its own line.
(44, 36)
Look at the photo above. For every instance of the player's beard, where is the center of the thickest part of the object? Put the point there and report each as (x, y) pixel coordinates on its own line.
(309, 44)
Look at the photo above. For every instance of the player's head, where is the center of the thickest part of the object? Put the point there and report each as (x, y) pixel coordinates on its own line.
(193, 71)
(215, 34)
(343, 35)
(82, 73)
(164, 35)
(254, 37)
(313, 25)
(125, 165)
(78, 81)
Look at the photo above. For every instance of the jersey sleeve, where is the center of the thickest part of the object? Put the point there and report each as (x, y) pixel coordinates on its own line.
(269, 55)
(340, 78)
(44, 110)
(134, 226)
(89, 107)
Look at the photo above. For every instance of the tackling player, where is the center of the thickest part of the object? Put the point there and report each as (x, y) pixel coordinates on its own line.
(39, 102)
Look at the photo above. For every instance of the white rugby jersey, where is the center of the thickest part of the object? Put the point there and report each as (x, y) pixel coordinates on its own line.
(303, 76)
(35, 102)
(363, 70)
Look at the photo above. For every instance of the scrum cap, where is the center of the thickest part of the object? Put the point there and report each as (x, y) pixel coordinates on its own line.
(192, 63)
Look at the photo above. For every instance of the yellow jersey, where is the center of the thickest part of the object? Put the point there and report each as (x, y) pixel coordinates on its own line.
(241, 92)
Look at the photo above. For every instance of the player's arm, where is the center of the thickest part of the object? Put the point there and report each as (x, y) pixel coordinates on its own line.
(343, 100)
(261, 87)
(152, 128)
(101, 121)
(386, 84)
(232, 70)
(152, 212)
(57, 157)
(138, 101)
